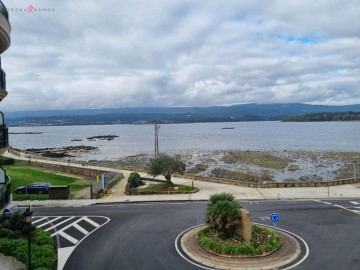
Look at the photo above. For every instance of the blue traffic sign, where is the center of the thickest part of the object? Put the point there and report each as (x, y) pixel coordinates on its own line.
(274, 217)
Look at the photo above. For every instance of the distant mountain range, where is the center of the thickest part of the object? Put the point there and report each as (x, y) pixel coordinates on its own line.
(145, 115)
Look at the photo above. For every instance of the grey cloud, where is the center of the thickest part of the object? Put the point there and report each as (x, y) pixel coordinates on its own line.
(178, 53)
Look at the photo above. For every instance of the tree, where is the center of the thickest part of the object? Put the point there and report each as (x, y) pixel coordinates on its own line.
(166, 165)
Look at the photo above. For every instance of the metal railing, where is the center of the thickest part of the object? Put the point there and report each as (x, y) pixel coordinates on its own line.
(4, 11)
(2, 79)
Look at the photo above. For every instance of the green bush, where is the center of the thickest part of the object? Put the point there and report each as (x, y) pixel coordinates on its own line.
(17, 223)
(13, 243)
(43, 256)
(4, 232)
(223, 215)
(221, 197)
(134, 180)
(42, 238)
(241, 249)
(6, 161)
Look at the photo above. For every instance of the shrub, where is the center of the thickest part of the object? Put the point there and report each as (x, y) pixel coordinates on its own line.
(43, 252)
(134, 180)
(223, 215)
(43, 256)
(206, 240)
(42, 238)
(6, 161)
(220, 197)
(4, 232)
(17, 223)
(222, 212)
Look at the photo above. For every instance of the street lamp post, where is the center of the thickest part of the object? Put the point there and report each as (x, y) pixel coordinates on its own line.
(27, 218)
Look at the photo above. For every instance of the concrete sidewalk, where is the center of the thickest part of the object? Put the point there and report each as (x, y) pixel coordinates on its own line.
(206, 190)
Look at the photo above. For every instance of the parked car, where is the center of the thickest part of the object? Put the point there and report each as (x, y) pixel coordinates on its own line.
(10, 210)
(34, 188)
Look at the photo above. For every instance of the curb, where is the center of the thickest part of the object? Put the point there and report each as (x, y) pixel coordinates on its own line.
(285, 255)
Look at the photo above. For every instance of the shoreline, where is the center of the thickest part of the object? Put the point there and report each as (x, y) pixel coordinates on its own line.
(254, 166)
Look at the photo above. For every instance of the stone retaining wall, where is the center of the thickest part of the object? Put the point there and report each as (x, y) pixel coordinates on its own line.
(336, 182)
(69, 169)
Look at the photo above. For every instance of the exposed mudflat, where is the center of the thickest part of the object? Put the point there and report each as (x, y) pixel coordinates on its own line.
(268, 165)
(262, 166)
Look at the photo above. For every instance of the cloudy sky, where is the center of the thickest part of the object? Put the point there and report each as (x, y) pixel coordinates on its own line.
(115, 53)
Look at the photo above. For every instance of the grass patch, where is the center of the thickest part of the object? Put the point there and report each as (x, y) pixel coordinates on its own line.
(22, 174)
(163, 187)
(263, 241)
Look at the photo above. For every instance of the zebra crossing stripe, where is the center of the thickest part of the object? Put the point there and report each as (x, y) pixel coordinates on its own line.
(58, 224)
(81, 229)
(38, 220)
(355, 202)
(91, 222)
(43, 224)
(68, 237)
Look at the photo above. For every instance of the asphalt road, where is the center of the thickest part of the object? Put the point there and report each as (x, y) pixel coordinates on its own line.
(142, 236)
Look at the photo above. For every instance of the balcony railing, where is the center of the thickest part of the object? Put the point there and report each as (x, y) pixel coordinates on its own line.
(5, 28)
(4, 11)
(2, 79)
(4, 137)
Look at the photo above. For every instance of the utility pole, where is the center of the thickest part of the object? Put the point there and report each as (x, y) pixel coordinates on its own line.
(157, 127)
(354, 169)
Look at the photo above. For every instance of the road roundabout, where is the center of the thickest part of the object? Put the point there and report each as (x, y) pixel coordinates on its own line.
(293, 251)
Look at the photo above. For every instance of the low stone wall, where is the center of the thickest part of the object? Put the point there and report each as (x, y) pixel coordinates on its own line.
(272, 184)
(68, 169)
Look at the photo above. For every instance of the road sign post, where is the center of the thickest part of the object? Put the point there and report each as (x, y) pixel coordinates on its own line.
(275, 218)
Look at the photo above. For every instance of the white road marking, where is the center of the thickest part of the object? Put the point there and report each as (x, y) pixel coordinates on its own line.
(354, 202)
(38, 220)
(204, 267)
(68, 237)
(65, 252)
(57, 224)
(43, 224)
(340, 206)
(81, 229)
(264, 218)
(91, 222)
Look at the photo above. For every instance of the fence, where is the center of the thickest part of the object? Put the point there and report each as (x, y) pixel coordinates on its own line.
(97, 190)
